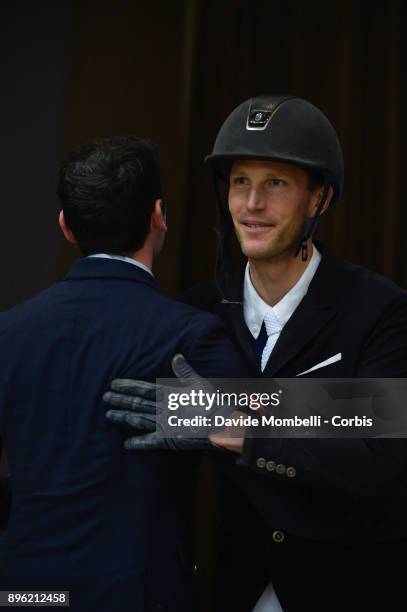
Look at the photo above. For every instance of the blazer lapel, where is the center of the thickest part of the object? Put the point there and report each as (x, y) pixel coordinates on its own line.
(315, 311)
(304, 325)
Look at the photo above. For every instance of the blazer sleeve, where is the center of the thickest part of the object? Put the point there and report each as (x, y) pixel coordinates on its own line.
(364, 468)
(211, 352)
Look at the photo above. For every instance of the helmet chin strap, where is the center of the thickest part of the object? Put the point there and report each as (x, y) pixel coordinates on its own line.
(312, 226)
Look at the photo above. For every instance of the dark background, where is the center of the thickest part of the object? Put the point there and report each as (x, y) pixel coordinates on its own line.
(172, 71)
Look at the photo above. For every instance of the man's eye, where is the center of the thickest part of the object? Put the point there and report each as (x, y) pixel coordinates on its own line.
(276, 182)
(239, 180)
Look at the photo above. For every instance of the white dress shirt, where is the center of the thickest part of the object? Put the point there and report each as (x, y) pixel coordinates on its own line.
(255, 310)
(123, 258)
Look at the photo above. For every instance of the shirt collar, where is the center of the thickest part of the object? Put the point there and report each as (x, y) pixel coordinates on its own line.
(123, 258)
(255, 308)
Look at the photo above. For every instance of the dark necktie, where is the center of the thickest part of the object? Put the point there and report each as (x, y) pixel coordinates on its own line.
(259, 343)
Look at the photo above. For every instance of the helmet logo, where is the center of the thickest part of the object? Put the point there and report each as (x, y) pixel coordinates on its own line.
(258, 119)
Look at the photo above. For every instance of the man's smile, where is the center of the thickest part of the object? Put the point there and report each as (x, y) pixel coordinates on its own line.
(255, 226)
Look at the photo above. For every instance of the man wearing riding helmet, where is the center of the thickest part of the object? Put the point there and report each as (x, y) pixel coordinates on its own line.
(324, 519)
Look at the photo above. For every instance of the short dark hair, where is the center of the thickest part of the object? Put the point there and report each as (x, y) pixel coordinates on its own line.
(107, 189)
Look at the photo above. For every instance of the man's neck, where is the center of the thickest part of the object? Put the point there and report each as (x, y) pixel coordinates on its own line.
(142, 256)
(274, 279)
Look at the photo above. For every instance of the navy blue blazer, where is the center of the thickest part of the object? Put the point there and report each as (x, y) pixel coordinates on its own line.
(87, 516)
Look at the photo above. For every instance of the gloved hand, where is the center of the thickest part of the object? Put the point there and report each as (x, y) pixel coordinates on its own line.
(138, 408)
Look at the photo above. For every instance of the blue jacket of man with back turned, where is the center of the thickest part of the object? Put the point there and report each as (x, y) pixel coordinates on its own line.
(88, 517)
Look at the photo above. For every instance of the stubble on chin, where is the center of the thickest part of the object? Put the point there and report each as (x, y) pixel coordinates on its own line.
(276, 251)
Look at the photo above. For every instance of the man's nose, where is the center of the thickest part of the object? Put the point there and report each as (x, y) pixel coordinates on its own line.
(255, 201)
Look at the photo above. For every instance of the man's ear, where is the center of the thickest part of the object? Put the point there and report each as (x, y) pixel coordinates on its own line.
(318, 195)
(158, 217)
(65, 229)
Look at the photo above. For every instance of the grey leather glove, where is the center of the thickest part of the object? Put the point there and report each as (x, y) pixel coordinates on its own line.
(136, 406)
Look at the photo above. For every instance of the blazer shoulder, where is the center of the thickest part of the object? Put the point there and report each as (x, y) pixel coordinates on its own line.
(30, 308)
(204, 296)
(194, 312)
(371, 285)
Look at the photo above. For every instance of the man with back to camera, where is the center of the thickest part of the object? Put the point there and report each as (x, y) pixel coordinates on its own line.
(87, 517)
(324, 519)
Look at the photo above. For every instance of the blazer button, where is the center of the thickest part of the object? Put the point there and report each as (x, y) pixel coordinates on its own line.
(261, 462)
(280, 469)
(278, 536)
(271, 466)
(291, 472)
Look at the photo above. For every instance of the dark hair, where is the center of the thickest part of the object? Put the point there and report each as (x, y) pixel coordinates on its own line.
(107, 189)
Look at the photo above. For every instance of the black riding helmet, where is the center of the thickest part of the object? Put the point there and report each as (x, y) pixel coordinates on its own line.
(276, 128)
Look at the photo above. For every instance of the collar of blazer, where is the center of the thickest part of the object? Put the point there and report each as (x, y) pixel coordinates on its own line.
(112, 269)
(315, 310)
